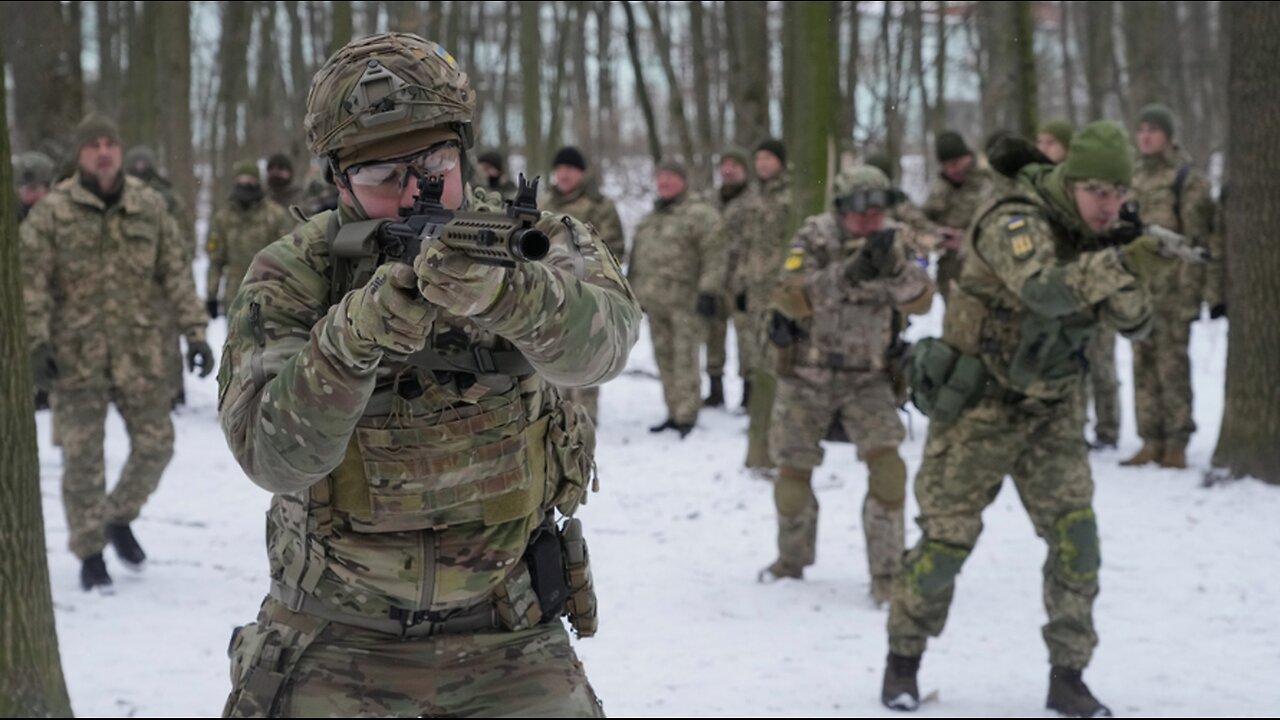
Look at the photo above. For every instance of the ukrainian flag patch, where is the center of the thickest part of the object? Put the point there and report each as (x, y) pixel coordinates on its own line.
(1020, 242)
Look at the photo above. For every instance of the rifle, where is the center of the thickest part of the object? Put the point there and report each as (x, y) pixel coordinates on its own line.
(1172, 244)
(486, 237)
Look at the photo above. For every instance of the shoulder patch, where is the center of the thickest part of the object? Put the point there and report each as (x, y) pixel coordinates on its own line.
(795, 258)
(1019, 233)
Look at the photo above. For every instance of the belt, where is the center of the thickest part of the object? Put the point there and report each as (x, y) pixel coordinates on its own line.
(398, 622)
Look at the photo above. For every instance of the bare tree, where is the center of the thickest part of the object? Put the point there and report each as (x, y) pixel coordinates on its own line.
(1144, 33)
(31, 681)
(531, 85)
(748, 27)
(606, 114)
(342, 25)
(642, 90)
(43, 81)
(813, 71)
(675, 93)
(175, 55)
(701, 92)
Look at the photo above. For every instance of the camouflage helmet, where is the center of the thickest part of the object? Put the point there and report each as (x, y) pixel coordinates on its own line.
(140, 159)
(861, 177)
(32, 168)
(379, 89)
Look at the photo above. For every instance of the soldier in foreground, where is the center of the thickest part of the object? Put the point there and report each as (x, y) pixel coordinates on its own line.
(247, 224)
(677, 270)
(833, 324)
(1001, 391)
(96, 340)
(405, 416)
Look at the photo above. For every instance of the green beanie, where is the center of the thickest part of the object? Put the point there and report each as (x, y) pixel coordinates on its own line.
(93, 126)
(246, 167)
(674, 166)
(1100, 151)
(1060, 129)
(951, 145)
(737, 155)
(1158, 115)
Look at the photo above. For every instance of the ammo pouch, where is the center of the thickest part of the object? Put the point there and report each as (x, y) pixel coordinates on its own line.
(570, 461)
(945, 382)
(555, 580)
(1050, 354)
(581, 606)
(263, 655)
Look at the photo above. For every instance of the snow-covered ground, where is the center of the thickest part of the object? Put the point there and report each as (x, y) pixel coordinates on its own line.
(1189, 616)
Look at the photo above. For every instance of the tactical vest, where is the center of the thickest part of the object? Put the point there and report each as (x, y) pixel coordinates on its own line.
(843, 335)
(1032, 355)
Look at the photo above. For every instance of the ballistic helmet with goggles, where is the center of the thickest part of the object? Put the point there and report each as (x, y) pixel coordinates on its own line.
(863, 188)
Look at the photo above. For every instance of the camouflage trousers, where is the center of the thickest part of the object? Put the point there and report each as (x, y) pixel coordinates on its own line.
(965, 463)
(949, 263)
(746, 326)
(677, 334)
(80, 418)
(1103, 384)
(717, 336)
(1162, 383)
(292, 665)
(588, 398)
(173, 360)
(863, 403)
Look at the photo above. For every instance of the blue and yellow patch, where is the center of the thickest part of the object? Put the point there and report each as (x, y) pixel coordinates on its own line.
(795, 259)
(1020, 243)
(444, 54)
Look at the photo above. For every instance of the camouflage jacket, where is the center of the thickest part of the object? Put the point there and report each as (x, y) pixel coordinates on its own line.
(956, 206)
(764, 246)
(179, 210)
(1028, 300)
(93, 277)
(849, 326)
(1178, 287)
(736, 211)
(594, 209)
(286, 196)
(235, 236)
(677, 254)
(403, 488)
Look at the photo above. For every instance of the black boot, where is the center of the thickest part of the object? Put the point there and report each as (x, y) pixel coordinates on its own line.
(93, 574)
(127, 547)
(746, 394)
(900, 691)
(664, 425)
(1069, 696)
(716, 398)
(683, 428)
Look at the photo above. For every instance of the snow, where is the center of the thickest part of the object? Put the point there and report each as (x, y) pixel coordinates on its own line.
(1187, 617)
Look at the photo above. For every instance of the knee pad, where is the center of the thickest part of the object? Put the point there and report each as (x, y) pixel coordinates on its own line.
(887, 477)
(932, 567)
(1078, 554)
(792, 491)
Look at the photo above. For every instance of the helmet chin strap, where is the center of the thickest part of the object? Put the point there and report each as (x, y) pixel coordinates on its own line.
(345, 182)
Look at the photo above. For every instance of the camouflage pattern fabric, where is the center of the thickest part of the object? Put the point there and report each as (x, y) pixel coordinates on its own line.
(286, 196)
(1104, 386)
(107, 339)
(736, 212)
(717, 334)
(531, 673)
(956, 206)
(401, 489)
(677, 254)
(1162, 368)
(592, 208)
(235, 236)
(1023, 273)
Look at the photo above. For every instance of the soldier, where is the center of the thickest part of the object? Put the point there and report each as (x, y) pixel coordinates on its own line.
(405, 418)
(846, 273)
(1171, 193)
(954, 199)
(677, 270)
(32, 175)
(1054, 139)
(905, 212)
(493, 174)
(572, 194)
(1001, 390)
(96, 340)
(737, 201)
(759, 270)
(280, 185)
(248, 224)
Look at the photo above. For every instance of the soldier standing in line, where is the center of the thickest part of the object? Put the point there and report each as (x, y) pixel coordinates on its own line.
(238, 231)
(736, 197)
(960, 189)
(493, 174)
(280, 186)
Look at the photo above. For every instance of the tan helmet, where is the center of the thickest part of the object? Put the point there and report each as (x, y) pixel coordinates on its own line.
(861, 177)
(380, 88)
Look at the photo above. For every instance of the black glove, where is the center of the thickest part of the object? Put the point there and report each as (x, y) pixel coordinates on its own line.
(740, 302)
(1130, 227)
(44, 369)
(200, 355)
(1218, 311)
(875, 260)
(783, 331)
(707, 305)
(212, 306)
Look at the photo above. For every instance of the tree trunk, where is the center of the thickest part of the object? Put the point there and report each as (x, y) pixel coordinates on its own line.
(1068, 66)
(531, 85)
(939, 120)
(300, 72)
(1251, 414)
(1094, 31)
(555, 132)
(142, 96)
(849, 109)
(701, 93)
(606, 112)
(369, 18)
(814, 71)
(504, 104)
(175, 54)
(34, 35)
(237, 21)
(1026, 110)
(918, 71)
(675, 93)
(892, 57)
(751, 106)
(642, 90)
(1144, 51)
(342, 25)
(31, 682)
(108, 29)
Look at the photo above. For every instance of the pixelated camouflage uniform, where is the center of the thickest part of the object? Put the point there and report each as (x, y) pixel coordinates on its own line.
(838, 372)
(235, 235)
(1027, 302)
(588, 206)
(399, 491)
(955, 206)
(1161, 364)
(107, 339)
(736, 207)
(676, 255)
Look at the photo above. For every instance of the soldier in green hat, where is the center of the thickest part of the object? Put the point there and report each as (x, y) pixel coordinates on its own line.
(1001, 392)
(249, 222)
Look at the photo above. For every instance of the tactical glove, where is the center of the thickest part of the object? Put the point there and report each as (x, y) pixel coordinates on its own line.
(199, 356)
(707, 305)
(452, 280)
(1218, 311)
(44, 369)
(212, 306)
(875, 260)
(783, 331)
(1129, 228)
(1143, 258)
(740, 302)
(387, 314)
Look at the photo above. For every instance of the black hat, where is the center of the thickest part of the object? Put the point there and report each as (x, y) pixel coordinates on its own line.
(570, 156)
(951, 145)
(280, 160)
(494, 158)
(775, 146)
